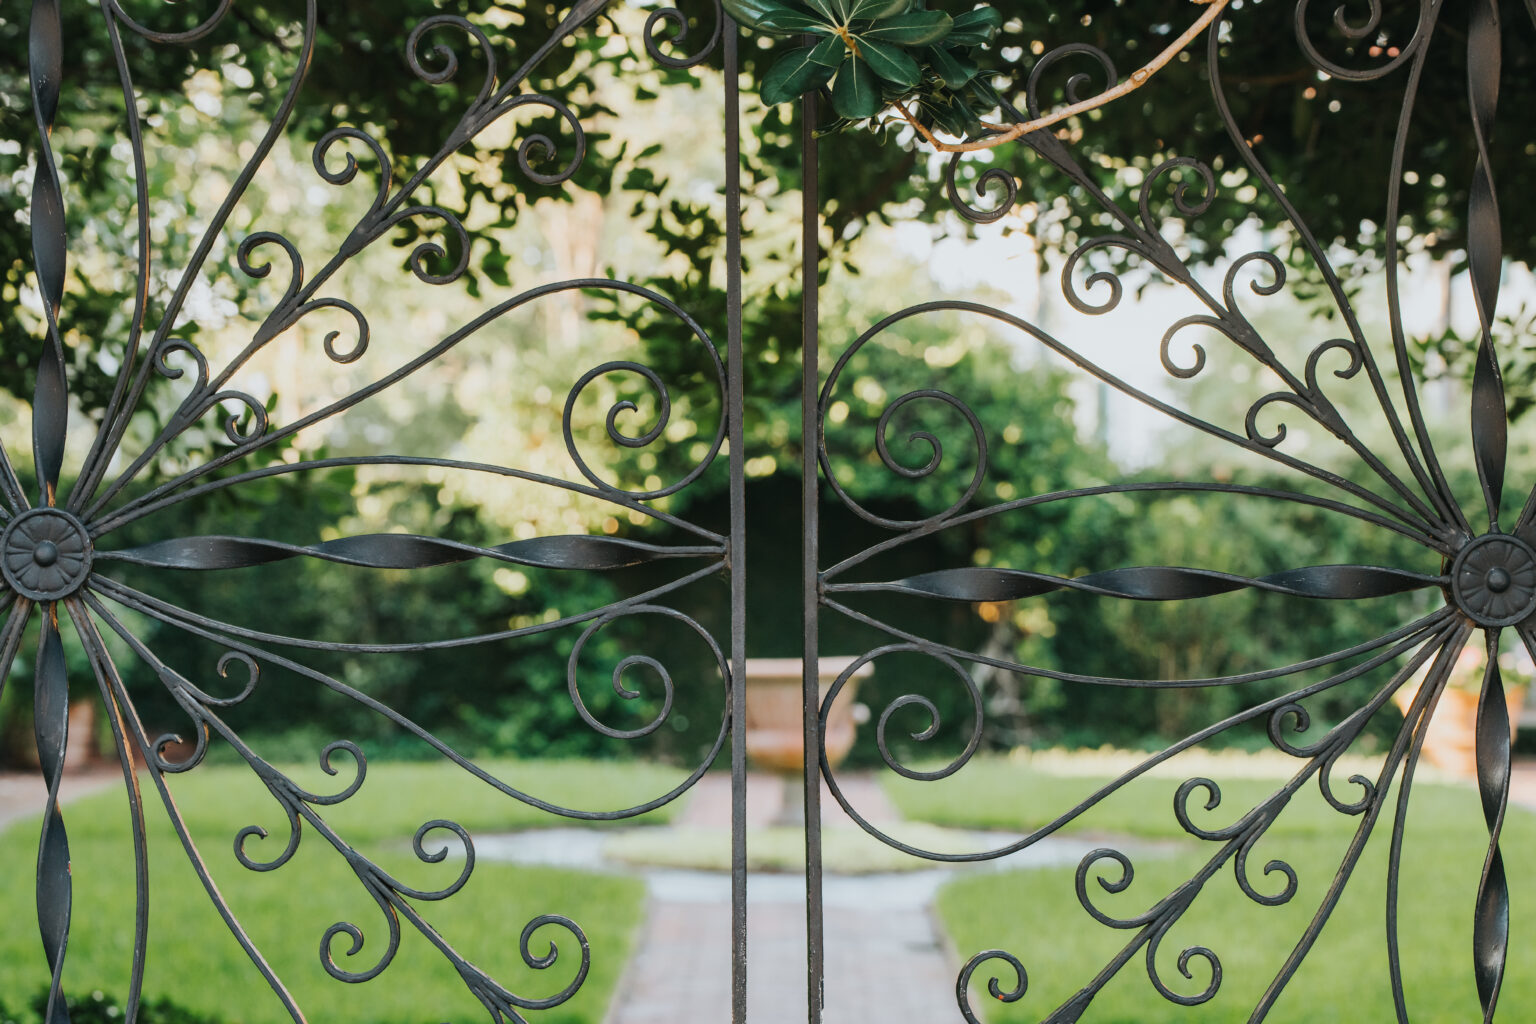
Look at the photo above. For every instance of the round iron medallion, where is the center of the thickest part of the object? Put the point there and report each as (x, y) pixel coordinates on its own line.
(45, 554)
(1494, 580)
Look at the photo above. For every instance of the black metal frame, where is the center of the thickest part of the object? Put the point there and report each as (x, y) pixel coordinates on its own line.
(1488, 579)
(52, 563)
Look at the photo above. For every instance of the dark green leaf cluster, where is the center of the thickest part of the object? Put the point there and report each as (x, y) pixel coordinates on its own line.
(878, 52)
(101, 1008)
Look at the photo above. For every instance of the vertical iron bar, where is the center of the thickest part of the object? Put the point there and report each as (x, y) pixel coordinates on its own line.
(734, 401)
(810, 244)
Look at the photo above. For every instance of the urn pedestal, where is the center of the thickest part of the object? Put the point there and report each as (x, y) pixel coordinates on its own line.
(775, 720)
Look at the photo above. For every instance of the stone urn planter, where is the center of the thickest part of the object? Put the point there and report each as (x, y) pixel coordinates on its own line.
(776, 726)
(80, 749)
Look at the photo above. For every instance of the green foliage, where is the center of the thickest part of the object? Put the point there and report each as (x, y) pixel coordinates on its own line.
(1343, 977)
(1514, 343)
(1332, 170)
(1230, 634)
(1306, 130)
(357, 76)
(506, 698)
(875, 53)
(195, 961)
(100, 1008)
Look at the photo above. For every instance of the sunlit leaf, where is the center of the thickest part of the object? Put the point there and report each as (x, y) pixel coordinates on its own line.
(789, 22)
(915, 28)
(877, 9)
(891, 63)
(755, 13)
(828, 9)
(975, 27)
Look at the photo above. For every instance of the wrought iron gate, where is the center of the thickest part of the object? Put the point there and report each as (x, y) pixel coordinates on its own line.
(63, 562)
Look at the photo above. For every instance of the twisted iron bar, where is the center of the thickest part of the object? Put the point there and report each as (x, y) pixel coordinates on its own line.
(1153, 583)
(50, 714)
(50, 404)
(404, 551)
(1490, 941)
(50, 721)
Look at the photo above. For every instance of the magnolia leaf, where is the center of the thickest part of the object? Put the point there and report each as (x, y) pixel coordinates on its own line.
(828, 9)
(791, 22)
(951, 116)
(874, 10)
(975, 28)
(753, 14)
(954, 68)
(830, 51)
(856, 93)
(891, 63)
(793, 75)
(989, 97)
(915, 28)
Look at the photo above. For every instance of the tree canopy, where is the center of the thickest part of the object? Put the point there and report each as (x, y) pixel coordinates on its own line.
(1303, 124)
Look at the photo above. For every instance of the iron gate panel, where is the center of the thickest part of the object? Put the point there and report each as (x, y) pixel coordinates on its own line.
(1475, 568)
(65, 554)
(1485, 577)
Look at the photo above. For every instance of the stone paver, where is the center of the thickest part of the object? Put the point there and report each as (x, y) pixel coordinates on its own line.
(884, 962)
(883, 966)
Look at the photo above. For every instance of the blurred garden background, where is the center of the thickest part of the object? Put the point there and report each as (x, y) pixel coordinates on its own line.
(646, 205)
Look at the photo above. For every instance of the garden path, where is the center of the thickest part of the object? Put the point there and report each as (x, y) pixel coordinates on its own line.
(23, 794)
(884, 958)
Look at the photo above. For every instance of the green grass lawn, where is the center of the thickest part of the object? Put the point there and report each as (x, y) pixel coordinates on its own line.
(194, 959)
(780, 848)
(1036, 915)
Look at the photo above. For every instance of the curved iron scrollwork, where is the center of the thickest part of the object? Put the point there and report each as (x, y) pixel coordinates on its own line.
(56, 553)
(1487, 576)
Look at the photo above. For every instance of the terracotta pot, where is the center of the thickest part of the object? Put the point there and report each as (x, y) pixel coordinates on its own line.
(1450, 743)
(775, 724)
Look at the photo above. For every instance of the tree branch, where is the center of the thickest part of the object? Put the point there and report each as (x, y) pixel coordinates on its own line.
(1139, 77)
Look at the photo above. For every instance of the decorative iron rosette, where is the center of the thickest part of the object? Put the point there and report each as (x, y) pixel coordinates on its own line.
(1396, 483)
(59, 547)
